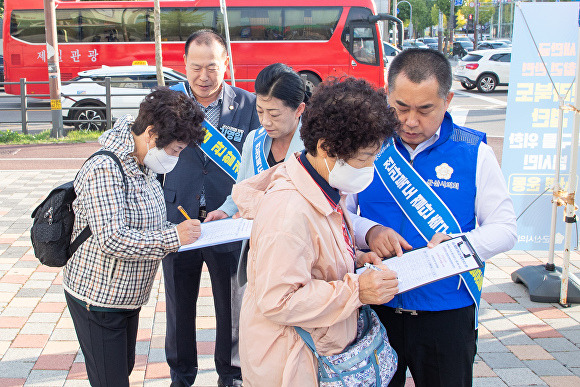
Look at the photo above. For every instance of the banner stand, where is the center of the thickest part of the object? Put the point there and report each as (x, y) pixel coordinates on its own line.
(544, 285)
(544, 282)
(548, 283)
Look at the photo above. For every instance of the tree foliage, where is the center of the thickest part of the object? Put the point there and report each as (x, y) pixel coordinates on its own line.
(435, 16)
(486, 10)
(444, 6)
(421, 14)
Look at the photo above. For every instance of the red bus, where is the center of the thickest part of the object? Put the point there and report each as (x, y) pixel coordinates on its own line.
(318, 39)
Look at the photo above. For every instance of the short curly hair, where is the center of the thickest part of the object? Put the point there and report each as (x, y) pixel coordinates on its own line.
(174, 116)
(349, 114)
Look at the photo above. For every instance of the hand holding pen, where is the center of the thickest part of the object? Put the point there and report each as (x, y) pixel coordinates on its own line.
(378, 285)
(188, 230)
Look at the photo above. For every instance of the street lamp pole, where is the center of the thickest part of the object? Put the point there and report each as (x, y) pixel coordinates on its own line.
(410, 19)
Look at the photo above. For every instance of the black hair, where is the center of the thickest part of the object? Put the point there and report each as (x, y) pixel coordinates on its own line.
(280, 81)
(350, 115)
(205, 36)
(173, 115)
(419, 65)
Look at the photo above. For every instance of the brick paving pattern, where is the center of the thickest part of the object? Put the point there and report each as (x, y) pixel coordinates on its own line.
(521, 342)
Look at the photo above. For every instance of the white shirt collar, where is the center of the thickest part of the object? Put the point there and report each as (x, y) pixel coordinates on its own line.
(422, 146)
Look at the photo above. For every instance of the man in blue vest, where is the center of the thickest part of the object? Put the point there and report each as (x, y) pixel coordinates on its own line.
(200, 182)
(433, 328)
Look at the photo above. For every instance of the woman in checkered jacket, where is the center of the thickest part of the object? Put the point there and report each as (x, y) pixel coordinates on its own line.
(110, 276)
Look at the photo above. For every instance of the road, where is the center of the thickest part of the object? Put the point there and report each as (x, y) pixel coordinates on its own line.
(484, 112)
(39, 115)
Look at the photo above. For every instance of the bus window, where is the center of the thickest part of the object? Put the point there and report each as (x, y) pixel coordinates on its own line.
(310, 23)
(67, 26)
(255, 23)
(101, 25)
(134, 25)
(364, 45)
(28, 26)
(355, 14)
(294, 23)
(178, 23)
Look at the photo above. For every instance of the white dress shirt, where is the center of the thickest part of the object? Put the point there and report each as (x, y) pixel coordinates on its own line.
(494, 210)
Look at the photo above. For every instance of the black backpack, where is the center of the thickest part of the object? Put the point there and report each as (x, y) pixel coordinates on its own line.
(54, 220)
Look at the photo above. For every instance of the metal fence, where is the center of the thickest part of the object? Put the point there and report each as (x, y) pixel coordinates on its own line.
(88, 112)
(24, 108)
(100, 102)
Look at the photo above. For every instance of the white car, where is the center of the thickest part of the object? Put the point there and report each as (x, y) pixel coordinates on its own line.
(84, 98)
(389, 53)
(412, 43)
(484, 69)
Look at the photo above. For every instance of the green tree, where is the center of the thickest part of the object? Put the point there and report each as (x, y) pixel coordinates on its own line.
(421, 16)
(486, 10)
(461, 20)
(444, 6)
(435, 16)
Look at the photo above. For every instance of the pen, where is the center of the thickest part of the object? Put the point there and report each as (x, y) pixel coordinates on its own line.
(183, 212)
(373, 267)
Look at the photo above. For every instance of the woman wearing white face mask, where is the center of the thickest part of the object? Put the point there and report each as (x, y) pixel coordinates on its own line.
(110, 275)
(302, 258)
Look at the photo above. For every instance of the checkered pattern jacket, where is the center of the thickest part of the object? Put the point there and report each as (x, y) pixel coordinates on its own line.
(116, 266)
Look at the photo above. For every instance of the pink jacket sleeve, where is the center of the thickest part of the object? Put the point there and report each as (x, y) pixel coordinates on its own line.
(293, 285)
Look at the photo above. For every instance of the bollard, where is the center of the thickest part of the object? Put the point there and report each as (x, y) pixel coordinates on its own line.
(108, 101)
(23, 106)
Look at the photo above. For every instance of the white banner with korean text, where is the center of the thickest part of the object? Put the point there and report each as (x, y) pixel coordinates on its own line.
(529, 150)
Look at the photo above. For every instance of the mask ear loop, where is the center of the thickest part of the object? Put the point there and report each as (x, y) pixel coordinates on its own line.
(327, 166)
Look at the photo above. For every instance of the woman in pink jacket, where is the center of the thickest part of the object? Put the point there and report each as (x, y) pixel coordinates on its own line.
(302, 257)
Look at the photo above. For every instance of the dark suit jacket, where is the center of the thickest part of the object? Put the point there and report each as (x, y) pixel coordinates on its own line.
(183, 185)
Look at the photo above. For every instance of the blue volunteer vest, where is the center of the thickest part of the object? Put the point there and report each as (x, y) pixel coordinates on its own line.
(449, 168)
(216, 146)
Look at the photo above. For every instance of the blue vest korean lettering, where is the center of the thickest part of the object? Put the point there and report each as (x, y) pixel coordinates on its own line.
(449, 168)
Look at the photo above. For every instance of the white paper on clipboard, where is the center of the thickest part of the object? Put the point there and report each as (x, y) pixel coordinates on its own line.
(221, 231)
(422, 266)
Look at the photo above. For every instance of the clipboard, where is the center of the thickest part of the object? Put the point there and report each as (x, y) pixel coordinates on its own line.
(422, 266)
(221, 231)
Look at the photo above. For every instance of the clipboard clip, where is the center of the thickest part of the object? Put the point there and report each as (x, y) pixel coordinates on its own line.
(462, 246)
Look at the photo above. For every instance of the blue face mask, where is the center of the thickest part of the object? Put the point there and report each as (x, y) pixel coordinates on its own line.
(348, 179)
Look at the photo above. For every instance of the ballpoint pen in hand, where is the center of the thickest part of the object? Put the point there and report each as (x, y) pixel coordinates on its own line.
(373, 267)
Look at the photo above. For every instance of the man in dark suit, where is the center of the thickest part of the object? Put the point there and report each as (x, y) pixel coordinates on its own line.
(200, 185)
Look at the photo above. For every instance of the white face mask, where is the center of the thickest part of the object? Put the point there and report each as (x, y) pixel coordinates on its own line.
(348, 179)
(159, 161)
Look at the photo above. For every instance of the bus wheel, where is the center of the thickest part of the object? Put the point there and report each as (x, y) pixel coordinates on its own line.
(310, 80)
(91, 117)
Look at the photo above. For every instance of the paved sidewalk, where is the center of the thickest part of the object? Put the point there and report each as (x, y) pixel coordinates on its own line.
(520, 342)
